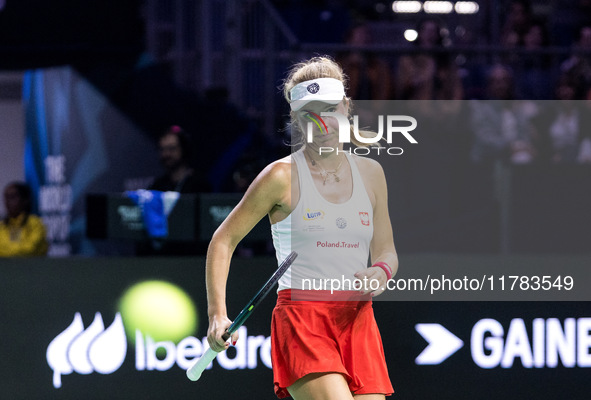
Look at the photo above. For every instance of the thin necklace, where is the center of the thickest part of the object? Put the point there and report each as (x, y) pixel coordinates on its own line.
(326, 174)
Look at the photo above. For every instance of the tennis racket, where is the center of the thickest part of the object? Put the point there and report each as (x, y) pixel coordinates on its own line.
(194, 372)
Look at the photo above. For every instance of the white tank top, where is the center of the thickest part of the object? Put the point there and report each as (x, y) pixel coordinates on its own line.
(332, 240)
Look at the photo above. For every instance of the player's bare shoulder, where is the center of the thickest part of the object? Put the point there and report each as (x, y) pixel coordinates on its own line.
(278, 173)
(372, 174)
(273, 183)
(276, 179)
(369, 168)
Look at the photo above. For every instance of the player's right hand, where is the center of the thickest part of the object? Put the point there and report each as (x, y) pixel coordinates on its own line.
(218, 325)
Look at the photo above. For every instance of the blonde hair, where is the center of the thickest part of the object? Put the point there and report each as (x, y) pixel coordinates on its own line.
(314, 68)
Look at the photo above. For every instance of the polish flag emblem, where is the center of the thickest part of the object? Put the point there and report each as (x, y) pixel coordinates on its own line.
(364, 218)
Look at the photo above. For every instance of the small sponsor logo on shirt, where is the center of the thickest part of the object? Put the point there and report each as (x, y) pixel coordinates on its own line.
(341, 223)
(342, 244)
(312, 215)
(313, 228)
(364, 218)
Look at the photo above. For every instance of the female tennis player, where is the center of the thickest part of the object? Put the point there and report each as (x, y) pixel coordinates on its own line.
(330, 207)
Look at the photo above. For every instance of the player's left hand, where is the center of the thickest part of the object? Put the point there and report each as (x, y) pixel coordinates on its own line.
(373, 281)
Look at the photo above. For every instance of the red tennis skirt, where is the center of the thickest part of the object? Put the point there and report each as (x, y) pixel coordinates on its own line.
(327, 336)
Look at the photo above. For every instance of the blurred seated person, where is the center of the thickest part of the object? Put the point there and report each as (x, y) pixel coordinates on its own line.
(578, 65)
(534, 70)
(175, 156)
(565, 124)
(429, 74)
(518, 20)
(21, 233)
(502, 126)
(369, 74)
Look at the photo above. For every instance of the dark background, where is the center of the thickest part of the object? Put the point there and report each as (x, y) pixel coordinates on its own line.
(443, 204)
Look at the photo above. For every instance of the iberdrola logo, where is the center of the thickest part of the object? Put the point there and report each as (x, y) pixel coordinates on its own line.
(312, 215)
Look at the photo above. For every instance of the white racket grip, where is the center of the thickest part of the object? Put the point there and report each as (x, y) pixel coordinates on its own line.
(194, 373)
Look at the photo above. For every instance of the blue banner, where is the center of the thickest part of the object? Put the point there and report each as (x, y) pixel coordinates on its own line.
(77, 142)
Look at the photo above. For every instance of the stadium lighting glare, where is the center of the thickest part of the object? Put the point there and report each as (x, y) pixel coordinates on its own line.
(438, 7)
(407, 7)
(411, 35)
(466, 7)
(435, 7)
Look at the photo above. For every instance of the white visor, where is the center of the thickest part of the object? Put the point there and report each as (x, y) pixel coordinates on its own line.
(327, 90)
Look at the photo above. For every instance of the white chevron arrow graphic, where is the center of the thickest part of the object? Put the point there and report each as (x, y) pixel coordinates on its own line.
(441, 344)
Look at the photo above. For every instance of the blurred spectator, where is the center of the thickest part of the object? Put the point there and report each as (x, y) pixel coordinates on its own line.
(501, 125)
(430, 74)
(519, 18)
(569, 124)
(533, 70)
(21, 232)
(536, 36)
(578, 65)
(175, 156)
(369, 75)
(562, 124)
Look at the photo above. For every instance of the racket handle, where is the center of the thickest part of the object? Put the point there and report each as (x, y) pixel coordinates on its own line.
(194, 372)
